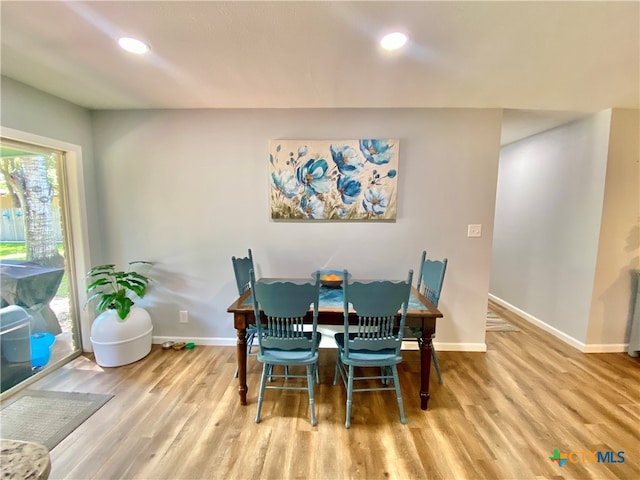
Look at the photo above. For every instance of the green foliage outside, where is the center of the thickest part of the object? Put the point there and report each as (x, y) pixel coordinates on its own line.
(18, 251)
(12, 251)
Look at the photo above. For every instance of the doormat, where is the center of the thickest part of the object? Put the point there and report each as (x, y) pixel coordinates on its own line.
(495, 323)
(47, 417)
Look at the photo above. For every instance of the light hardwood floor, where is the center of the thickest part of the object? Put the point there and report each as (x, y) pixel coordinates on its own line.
(498, 415)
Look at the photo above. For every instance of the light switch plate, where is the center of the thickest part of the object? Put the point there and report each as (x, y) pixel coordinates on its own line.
(474, 230)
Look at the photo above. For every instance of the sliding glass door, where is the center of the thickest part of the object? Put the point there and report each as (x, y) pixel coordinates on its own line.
(39, 327)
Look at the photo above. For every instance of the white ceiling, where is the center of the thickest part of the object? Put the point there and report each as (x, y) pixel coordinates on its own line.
(572, 57)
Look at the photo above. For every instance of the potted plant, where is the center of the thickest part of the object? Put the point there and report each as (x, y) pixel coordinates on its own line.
(121, 332)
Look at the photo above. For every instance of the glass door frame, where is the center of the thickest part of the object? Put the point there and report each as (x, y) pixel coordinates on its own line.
(76, 236)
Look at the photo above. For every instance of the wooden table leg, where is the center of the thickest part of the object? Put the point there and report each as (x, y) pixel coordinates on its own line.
(242, 364)
(425, 367)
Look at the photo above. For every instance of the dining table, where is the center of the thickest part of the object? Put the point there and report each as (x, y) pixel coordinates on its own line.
(421, 318)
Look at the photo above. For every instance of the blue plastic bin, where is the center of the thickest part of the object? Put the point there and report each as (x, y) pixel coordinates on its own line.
(41, 344)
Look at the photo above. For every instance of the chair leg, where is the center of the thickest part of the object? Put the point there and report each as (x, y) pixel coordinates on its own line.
(250, 342)
(312, 407)
(434, 357)
(286, 372)
(347, 422)
(396, 383)
(386, 373)
(263, 381)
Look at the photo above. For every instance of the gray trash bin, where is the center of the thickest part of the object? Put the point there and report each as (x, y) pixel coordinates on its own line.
(15, 346)
(15, 331)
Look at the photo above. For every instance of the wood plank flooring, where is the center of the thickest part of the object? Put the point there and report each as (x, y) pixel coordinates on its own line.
(498, 415)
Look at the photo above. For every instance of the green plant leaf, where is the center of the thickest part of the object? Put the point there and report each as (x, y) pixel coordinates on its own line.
(139, 276)
(123, 307)
(100, 269)
(105, 302)
(114, 289)
(97, 283)
(140, 261)
(136, 287)
(92, 298)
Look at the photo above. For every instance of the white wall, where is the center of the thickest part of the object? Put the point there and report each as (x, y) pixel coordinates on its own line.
(206, 172)
(28, 109)
(619, 245)
(189, 188)
(548, 210)
(559, 233)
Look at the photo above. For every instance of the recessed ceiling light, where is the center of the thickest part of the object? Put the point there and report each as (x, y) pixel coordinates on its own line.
(393, 41)
(133, 45)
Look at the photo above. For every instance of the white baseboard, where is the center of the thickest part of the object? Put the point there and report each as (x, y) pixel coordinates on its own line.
(605, 348)
(460, 347)
(327, 341)
(583, 347)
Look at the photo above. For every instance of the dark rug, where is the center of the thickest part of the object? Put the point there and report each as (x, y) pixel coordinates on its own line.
(47, 417)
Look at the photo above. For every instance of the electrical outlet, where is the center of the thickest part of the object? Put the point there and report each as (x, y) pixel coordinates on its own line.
(474, 230)
(184, 316)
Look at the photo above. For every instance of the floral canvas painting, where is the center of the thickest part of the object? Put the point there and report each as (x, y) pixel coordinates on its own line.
(334, 180)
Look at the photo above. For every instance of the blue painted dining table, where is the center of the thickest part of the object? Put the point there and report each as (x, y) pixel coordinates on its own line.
(421, 316)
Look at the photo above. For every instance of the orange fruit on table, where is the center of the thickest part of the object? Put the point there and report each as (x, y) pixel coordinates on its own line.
(331, 277)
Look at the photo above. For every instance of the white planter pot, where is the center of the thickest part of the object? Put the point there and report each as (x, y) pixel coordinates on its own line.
(119, 342)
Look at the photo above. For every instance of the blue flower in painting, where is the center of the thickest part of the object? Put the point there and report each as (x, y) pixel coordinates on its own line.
(391, 173)
(312, 207)
(376, 151)
(349, 189)
(375, 201)
(302, 151)
(285, 183)
(313, 176)
(342, 212)
(346, 159)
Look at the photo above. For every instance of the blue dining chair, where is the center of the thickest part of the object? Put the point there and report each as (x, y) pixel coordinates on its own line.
(241, 268)
(377, 339)
(284, 304)
(430, 283)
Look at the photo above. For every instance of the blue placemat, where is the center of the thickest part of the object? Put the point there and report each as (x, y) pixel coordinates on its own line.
(333, 298)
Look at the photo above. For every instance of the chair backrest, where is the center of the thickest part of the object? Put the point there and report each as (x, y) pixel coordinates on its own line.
(431, 278)
(241, 268)
(285, 304)
(376, 304)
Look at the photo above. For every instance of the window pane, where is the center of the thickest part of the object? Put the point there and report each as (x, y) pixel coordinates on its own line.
(36, 263)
